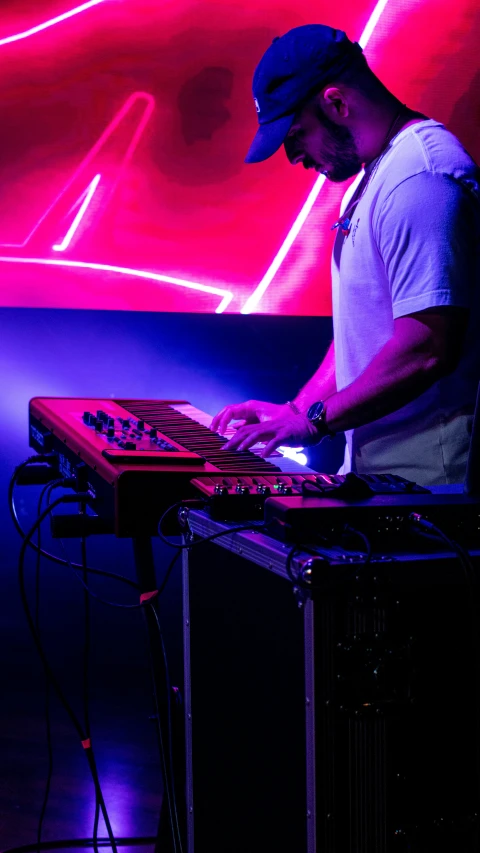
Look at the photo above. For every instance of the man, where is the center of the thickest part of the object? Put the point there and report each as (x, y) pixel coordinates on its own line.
(401, 375)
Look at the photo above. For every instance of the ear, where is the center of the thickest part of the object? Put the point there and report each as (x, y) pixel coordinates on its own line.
(334, 102)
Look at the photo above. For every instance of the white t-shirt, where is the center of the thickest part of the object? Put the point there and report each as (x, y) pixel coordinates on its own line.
(414, 244)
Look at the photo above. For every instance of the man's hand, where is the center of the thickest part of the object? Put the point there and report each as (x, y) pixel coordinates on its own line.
(283, 428)
(251, 412)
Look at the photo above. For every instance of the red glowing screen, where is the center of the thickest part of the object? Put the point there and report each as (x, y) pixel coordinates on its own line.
(124, 128)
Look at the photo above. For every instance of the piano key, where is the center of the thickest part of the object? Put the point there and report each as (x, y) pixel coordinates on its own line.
(190, 427)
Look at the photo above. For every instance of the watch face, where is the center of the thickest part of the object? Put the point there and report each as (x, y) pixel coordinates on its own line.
(315, 411)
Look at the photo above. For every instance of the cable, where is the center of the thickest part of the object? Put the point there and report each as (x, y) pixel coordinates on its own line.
(171, 795)
(86, 743)
(168, 573)
(420, 523)
(12, 484)
(173, 805)
(368, 546)
(189, 545)
(35, 631)
(48, 724)
(95, 826)
(53, 557)
(86, 673)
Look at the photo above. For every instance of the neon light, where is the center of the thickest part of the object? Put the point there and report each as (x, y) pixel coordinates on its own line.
(81, 213)
(149, 108)
(51, 22)
(278, 260)
(372, 23)
(226, 295)
(136, 96)
(255, 297)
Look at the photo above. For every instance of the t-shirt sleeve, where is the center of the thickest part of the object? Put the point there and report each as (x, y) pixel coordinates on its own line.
(427, 236)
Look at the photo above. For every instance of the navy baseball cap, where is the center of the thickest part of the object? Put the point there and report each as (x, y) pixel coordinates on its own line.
(295, 65)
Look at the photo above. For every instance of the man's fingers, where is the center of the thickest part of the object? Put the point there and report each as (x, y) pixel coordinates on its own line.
(222, 420)
(271, 446)
(245, 437)
(216, 420)
(230, 413)
(254, 435)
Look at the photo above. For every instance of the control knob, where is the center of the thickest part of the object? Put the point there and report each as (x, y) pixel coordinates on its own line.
(242, 490)
(220, 490)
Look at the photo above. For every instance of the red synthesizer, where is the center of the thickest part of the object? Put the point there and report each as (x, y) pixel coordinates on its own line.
(140, 456)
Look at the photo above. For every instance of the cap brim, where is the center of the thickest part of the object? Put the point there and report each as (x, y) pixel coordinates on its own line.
(268, 139)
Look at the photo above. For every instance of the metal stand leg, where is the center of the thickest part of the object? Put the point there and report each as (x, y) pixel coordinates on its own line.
(168, 711)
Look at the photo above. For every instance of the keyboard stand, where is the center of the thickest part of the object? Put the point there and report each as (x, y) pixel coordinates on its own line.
(168, 708)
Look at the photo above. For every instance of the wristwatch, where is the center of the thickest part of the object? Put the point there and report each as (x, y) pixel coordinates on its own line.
(316, 414)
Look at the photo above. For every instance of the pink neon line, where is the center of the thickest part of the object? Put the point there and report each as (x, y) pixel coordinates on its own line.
(255, 297)
(136, 96)
(114, 124)
(81, 213)
(51, 23)
(226, 295)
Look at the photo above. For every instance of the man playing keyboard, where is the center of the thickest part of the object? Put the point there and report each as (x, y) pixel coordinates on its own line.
(401, 374)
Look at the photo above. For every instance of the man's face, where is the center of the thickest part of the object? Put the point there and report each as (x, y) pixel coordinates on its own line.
(321, 144)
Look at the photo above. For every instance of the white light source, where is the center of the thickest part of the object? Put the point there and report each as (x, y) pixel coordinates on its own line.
(294, 453)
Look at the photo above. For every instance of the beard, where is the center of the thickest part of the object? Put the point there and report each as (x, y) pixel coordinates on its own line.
(338, 150)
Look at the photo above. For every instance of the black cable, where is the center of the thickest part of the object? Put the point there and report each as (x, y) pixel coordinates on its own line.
(419, 523)
(76, 498)
(53, 557)
(170, 786)
(168, 573)
(11, 488)
(203, 540)
(67, 562)
(95, 826)
(106, 601)
(86, 655)
(174, 810)
(368, 546)
(48, 724)
(88, 592)
(27, 537)
(86, 672)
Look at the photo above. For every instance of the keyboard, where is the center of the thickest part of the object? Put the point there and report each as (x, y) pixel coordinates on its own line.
(139, 456)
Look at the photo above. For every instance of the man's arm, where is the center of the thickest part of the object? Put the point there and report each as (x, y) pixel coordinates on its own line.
(425, 346)
(322, 384)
